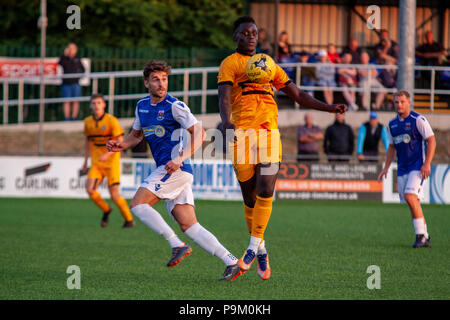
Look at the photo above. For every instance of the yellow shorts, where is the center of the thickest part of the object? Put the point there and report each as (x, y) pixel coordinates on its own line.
(253, 147)
(112, 173)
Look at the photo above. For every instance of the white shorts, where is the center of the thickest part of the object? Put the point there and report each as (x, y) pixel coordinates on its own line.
(175, 188)
(410, 183)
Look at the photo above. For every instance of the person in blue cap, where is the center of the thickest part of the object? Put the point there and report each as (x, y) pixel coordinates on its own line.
(369, 135)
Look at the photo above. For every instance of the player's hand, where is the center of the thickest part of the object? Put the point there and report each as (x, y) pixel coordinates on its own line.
(173, 165)
(224, 126)
(114, 146)
(84, 168)
(103, 157)
(425, 171)
(337, 108)
(382, 174)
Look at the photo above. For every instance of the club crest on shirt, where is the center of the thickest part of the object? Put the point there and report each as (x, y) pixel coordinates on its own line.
(160, 115)
(103, 127)
(408, 126)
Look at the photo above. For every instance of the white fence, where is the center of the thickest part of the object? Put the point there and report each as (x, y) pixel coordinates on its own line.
(204, 92)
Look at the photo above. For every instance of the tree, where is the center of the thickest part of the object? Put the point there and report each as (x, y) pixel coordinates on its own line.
(124, 23)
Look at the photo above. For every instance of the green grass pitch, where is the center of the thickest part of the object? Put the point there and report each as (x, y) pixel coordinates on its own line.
(318, 250)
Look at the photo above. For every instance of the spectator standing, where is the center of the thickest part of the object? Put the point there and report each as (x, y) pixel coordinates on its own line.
(338, 143)
(369, 135)
(347, 77)
(333, 56)
(308, 137)
(364, 82)
(71, 88)
(325, 73)
(264, 45)
(354, 50)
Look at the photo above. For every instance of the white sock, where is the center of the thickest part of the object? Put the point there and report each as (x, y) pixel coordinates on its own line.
(262, 247)
(207, 241)
(420, 227)
(254, 243)
(152, 219)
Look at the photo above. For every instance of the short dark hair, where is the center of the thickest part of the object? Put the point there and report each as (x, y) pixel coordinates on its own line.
(402, 93)
(96, 96)
(155, 65)
(241, 20)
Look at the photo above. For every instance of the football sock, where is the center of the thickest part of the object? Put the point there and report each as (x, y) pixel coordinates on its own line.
(420, 227)
(124, 210)
(102, 204)
(261, 216)
(262, 248)
(207, 241)
(254, 243)
(248, 213)
(152, 219)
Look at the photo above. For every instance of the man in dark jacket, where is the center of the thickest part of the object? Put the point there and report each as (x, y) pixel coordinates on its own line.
(369, 136)
(339, 140)
(70, 86)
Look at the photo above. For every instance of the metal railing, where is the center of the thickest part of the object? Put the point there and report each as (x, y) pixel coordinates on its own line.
(186, 93)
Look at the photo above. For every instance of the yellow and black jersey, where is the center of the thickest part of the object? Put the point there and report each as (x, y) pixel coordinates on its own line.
(99, 131)
(252, 104)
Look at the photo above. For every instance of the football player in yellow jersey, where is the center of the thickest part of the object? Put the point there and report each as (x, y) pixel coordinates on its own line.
(98, 129)
(250, 111)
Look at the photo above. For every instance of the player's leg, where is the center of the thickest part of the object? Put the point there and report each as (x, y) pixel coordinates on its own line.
(248, 190)
(142, 207)
(122, 204)
(412, 192)
(94, 179)
(183, 211)
(113, 175)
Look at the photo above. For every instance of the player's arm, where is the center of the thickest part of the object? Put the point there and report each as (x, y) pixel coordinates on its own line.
(305, 100)
(390, 156)
(104, 156)
(425, 130)
(431, 149)
(87, 152)
(197, 134)
(133, 138)
(225, 106)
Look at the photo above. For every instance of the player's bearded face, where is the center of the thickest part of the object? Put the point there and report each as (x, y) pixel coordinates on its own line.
(157, 84)
(401, 104)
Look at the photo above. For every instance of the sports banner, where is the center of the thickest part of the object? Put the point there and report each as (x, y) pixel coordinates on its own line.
(18, 68)
(60, 177)
(329, 181)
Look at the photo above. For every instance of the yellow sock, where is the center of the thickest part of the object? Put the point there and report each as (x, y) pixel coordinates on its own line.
(102, 204)
(248, 213)
(124, 209)
(261, 216)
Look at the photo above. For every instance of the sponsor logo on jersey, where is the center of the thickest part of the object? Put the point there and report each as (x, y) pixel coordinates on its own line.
(143, 111)
(405, 138)
(158, 131)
